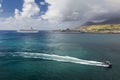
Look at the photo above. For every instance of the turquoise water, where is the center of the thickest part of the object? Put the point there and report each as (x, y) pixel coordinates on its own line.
(58, 56)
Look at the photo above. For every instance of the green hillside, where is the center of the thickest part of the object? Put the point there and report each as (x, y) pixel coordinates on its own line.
(107, 28)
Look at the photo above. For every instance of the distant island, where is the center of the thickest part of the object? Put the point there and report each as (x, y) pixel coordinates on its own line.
(104, 28)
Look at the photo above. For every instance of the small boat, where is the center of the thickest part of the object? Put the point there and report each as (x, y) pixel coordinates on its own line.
(107, 64)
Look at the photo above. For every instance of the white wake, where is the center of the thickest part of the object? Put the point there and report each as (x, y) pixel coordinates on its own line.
(61, 58)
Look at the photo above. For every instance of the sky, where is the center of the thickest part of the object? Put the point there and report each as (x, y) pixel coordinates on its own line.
(55, 14)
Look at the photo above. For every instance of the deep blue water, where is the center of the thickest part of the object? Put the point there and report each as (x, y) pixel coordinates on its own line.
(37, 56)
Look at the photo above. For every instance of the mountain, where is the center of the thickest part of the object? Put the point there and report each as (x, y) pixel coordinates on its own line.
(101, 28)
(105, 26)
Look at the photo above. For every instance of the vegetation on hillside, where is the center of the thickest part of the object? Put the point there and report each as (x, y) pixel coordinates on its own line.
(107, 28)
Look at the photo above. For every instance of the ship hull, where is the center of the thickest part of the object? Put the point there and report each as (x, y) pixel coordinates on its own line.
(20, 31)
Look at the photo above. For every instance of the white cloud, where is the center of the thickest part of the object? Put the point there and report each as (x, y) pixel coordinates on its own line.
(1, 10)
(22, 18)
(98, 21)
(30, 9)
(72, 10)
(0, 3)
(13, 24)
(42, 3)
(62, 10)
(17, 13)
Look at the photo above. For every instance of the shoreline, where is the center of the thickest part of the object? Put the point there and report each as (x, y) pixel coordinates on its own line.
(83, 32)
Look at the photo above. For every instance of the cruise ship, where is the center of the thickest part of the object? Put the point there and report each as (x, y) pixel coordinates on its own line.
(31, 30)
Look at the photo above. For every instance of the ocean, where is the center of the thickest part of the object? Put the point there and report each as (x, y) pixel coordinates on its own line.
(58, 56)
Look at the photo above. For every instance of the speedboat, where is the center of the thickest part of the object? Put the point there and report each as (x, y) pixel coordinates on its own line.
(107, 64)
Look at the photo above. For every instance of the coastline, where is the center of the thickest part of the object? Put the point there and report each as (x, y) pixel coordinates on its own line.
(85, 32)
(94, 29)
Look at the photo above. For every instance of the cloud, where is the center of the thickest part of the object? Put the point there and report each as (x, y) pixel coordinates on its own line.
(79, 10)
(0, 3)
(42, 3)
(24, 18)
(60, 10)
(114, 3)
(30, 9)
(62, 13)
(16, 24)
(1, 10)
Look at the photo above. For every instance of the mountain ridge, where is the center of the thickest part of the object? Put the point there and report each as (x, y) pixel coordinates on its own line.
(101, 28)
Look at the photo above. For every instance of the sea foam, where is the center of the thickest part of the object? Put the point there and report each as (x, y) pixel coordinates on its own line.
(61, 58)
